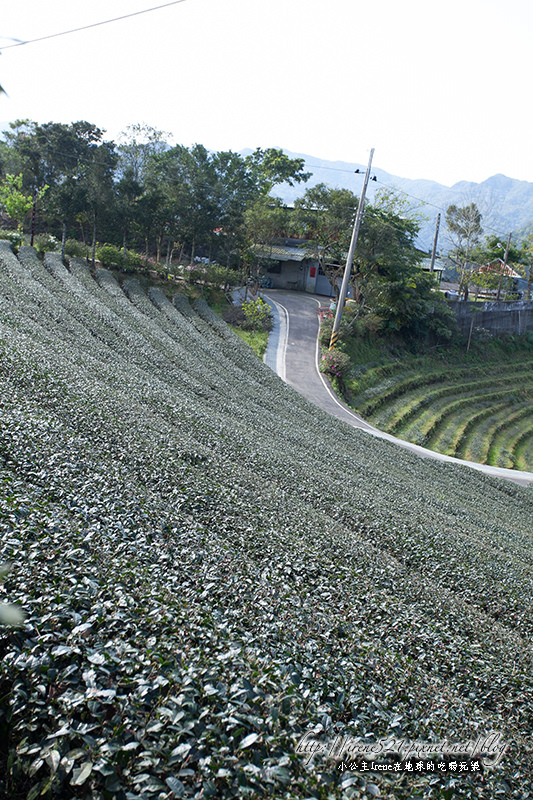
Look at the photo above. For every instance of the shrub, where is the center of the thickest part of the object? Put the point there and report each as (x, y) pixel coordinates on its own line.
(45, 242)
(324, 336)
(234, 315)
(109, 255)
(134, 262)
(12, 236)
(335, 363)
(76, 249)
(112, 257)
(257, 315)
(327, 326)
(370, 324)
(220, 276)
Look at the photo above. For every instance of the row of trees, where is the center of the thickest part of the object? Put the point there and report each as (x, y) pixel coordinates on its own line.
(141, 192)
(184, 202)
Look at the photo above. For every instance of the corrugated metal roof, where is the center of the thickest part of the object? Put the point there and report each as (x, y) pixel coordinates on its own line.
(279, 252)
(498, 267)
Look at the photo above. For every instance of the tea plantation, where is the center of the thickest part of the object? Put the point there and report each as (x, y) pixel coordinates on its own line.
(479, 412)
(211, 567)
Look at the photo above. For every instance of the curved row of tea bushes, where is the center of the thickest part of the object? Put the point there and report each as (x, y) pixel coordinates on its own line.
(462, 413)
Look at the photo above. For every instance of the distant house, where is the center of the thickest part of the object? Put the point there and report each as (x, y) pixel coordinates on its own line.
(496, 277)
(290, 264)
(293, 263)
(499, 267)
(438, 267)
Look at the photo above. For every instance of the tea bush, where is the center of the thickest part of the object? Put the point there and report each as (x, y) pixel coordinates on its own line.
(211, 567)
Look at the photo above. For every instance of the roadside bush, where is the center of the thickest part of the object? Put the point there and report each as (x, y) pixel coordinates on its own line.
(257, 315)
(12, 236)
(45, 242)
(327, 326)
(335, 363)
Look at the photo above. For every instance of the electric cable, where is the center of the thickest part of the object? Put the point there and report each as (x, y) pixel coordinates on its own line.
(92, 25)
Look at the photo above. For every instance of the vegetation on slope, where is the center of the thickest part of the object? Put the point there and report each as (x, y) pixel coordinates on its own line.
(211, 567)
(475, 405)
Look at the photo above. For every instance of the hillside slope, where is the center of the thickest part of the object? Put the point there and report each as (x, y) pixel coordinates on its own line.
(212, 567)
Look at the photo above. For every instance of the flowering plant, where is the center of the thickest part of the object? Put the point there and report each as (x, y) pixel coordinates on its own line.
(257, 313)
(335, 363)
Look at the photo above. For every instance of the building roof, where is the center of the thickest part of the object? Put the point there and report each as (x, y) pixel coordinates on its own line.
(497, 266)
(280, 252)
(425, 264)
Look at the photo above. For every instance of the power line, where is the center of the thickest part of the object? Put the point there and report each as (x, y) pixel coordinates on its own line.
(92, 25)
(399, 191)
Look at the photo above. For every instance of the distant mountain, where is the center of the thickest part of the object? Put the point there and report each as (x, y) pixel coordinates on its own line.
(506, 203)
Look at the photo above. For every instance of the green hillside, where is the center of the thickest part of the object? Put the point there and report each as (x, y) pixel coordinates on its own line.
(212, 567)
(479, 410)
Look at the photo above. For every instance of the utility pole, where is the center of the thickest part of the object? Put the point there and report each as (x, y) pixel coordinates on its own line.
(434, 251)
(504, 266)
(349, 260)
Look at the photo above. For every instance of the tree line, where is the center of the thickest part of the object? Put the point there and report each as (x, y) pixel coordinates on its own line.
(182, 203)
(141, 192)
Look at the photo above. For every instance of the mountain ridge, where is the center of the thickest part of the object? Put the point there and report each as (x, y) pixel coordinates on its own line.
(505, 203)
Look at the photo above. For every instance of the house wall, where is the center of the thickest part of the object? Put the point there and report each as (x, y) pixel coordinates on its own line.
(311, 275)
(292, 275)
(498, 318)
(323, 286)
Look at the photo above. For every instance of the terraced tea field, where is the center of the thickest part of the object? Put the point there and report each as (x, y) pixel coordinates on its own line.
(211, 567)
(480, 412)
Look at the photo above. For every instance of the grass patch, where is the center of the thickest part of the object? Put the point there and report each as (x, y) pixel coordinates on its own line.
(257, 340)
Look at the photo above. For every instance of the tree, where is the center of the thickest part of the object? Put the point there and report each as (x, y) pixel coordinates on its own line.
(464, 226)
(390, 284)
(99, 187)
(15, 202)
(137, 165)
(236, 191)
(325, 215)
(128, 191)
(136, 152)
(391, 291)
(62, 157)
(272, 167)
(266, 222)
(527, 250)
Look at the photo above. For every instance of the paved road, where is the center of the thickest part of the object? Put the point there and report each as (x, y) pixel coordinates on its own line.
(293, 353)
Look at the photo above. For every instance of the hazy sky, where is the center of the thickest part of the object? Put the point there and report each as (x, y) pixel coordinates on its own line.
(440, 90)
